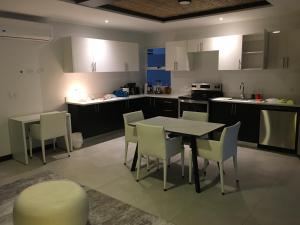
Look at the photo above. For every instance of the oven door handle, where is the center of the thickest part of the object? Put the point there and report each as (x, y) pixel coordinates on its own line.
(193, 101)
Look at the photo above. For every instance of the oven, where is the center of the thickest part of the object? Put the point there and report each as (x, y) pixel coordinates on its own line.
(198, 100)
(192, 105)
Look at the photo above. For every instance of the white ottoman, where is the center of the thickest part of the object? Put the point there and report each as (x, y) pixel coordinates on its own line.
(52, 203)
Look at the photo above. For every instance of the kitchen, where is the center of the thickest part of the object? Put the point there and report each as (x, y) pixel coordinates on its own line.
(37, 80)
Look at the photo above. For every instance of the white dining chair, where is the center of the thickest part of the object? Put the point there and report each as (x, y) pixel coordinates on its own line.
(152, 141)
(219, 151)
(130, 131)
(196, 116)
(52, 125)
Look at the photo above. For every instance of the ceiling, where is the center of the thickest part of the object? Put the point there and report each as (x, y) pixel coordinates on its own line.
(64, 11)
(161, 10)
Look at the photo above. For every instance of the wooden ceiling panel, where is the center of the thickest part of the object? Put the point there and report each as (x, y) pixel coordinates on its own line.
(166, 10)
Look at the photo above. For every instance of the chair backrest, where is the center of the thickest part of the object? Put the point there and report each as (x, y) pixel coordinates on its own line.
(228, 141)
(151, 140)
(198, 116)
(53, 124)
(131, 118)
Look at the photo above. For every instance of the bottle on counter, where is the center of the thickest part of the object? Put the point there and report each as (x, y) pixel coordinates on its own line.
(146, 88)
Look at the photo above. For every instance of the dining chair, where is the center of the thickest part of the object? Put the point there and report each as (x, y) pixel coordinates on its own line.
(196, 116)
(153, 142)
(52, 125)
(219, 151)
(130, 131)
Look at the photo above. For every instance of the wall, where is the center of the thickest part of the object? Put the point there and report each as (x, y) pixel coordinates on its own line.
(43, 86)
(270, 82)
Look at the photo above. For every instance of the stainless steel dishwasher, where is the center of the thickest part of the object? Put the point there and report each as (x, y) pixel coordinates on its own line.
(278, 129)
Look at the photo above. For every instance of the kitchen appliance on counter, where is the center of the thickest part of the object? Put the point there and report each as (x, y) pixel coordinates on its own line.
(133, 89)
(278, 129)
(198, 100)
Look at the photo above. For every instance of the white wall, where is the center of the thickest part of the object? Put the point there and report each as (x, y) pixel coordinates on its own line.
(43, 86)
(271, 83)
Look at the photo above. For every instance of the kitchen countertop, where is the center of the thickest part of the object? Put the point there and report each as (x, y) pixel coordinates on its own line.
(99, 101)
(252, 101)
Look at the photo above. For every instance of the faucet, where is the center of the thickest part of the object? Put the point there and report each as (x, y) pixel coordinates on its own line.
(242, 89)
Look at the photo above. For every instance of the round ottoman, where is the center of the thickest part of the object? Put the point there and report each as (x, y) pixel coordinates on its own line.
(52, 203)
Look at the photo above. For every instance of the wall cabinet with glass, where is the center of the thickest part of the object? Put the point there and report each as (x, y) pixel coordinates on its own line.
(255, 49)
(97, 55)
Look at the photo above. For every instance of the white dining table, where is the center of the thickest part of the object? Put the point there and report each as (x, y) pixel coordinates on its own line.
(18, 127)
(192, 129)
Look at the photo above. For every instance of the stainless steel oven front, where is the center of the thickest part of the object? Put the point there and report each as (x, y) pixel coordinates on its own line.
(192, 105)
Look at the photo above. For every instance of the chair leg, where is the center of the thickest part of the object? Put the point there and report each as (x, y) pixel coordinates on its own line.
(126, 150)
(206, 163)
(165, 174)
(54, 141)
(235, 167)
(182, 164)
(67, 144)
(221, 177)
(43, 151)
(190, 167)
(148, 159)
(169, 162)
(138, 167)
(30, 146)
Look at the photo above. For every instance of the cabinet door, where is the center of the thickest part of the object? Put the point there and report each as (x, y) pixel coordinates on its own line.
(166, 107)
(293, 52)
(79, 55)
(136, 104)
(230, 51)
(177, 58)
(209, 44)
(194, 45)
(249, 116)
(278, 50)
(131, 59)
(221, 112)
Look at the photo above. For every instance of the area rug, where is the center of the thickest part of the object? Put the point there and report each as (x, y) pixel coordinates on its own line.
(103, 208)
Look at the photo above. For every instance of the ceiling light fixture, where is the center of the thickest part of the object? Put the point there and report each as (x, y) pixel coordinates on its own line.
(106, 21)
(221, 18)
(184, 2)
(276, 32)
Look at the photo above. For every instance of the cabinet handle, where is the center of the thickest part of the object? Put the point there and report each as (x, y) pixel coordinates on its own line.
(168, 102)
(283, 62)
(235, 109)
(168, 110)
(231, 110)
(287, 62)
(201, 46)
(240, 64)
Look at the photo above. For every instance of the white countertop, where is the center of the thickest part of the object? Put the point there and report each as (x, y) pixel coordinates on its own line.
(252, 101)
(98, 101)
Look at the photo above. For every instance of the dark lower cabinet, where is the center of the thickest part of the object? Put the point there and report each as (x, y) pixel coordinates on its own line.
(230, 113)
(166, 107)
(101, 118)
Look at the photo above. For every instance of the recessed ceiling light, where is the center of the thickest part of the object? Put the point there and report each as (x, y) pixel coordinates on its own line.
(184, 2)
(221, 18)
(276, 32)
(106, 21)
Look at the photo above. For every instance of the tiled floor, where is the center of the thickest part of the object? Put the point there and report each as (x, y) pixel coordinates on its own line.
(269, 192)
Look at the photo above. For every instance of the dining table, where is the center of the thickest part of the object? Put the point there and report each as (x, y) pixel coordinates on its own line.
(183, 127)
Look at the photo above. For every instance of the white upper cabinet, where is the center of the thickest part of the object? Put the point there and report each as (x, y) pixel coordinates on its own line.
(204, 44)
(284, 50)
(230, 51)
(177, 58)
(97, 55)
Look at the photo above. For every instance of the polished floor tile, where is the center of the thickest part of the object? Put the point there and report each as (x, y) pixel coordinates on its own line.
(267, 194)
